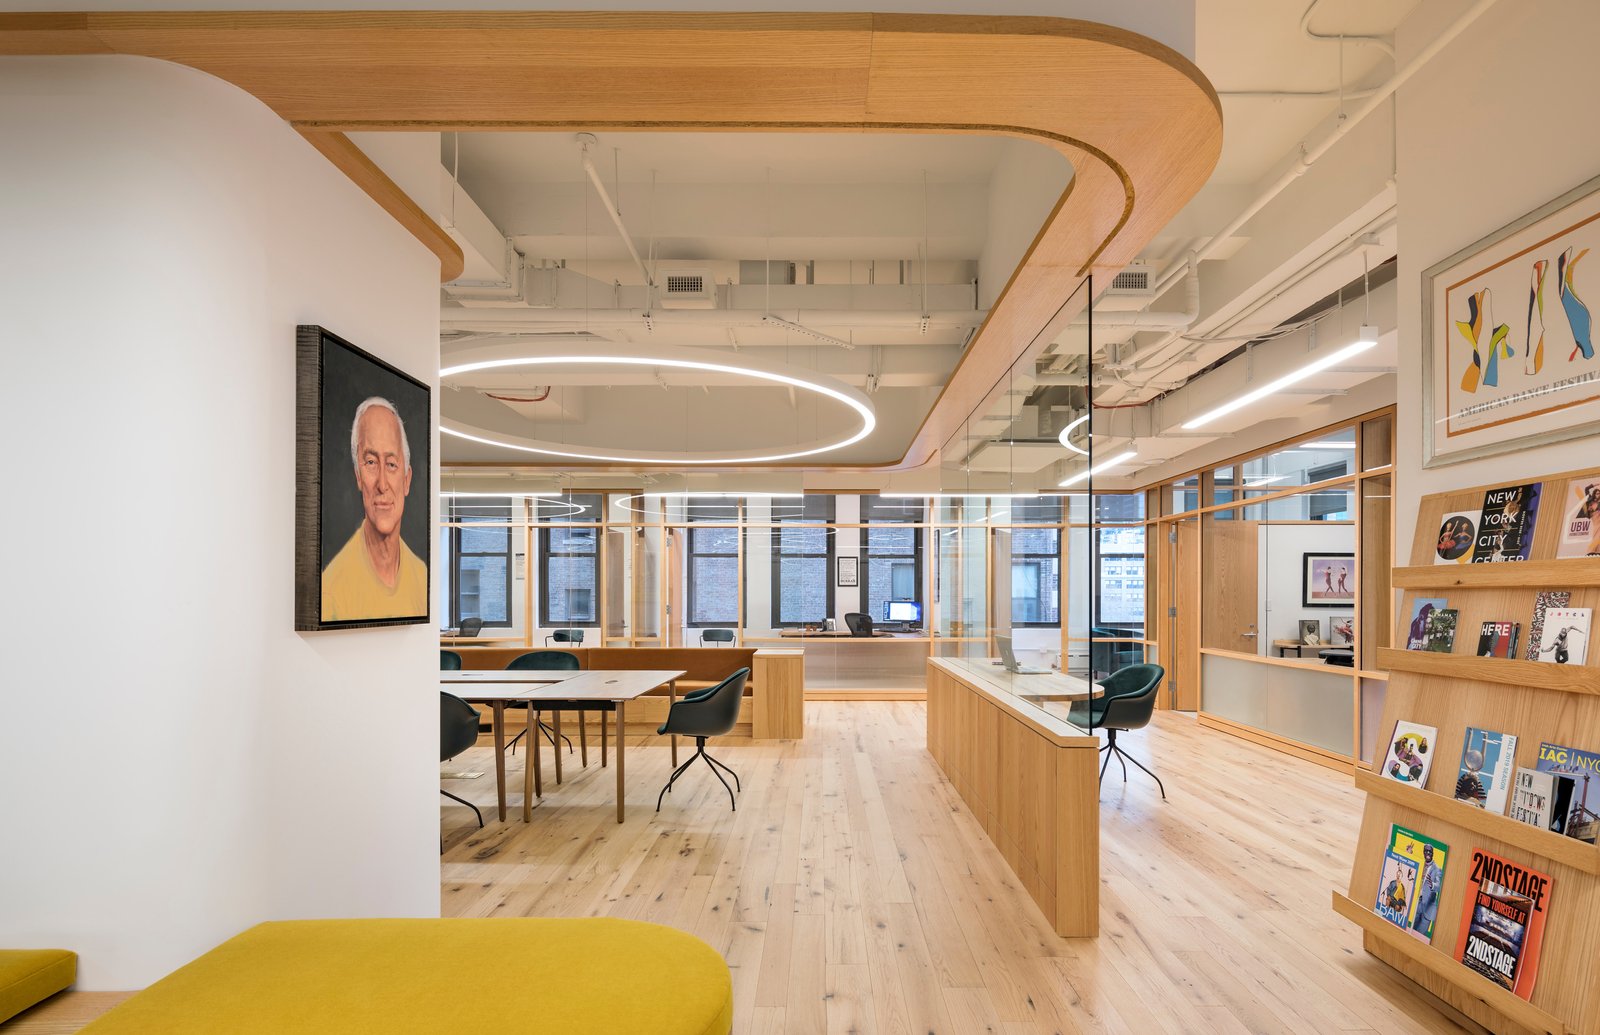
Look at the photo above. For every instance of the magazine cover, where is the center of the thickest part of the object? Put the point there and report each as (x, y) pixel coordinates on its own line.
(1580, 520)
(1583, 813)
(1542, 800)
(1397, 887)
(1426, 857)
(1505, 531)
(1497, 639)
(1421, 610)
(1440, 634)
(1565, 637)
(1487, 759)
(1502, 921)
(1410, 753)
(1457, 532)
(1542, 604)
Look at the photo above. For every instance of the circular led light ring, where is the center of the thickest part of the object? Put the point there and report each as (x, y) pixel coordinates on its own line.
(577, 508)
(687, 497)
(1066, 436)
(843, 395)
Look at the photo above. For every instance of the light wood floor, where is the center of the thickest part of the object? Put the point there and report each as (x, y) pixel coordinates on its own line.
(853, 893)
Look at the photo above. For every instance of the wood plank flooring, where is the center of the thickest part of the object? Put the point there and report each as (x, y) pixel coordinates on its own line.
(853, 893)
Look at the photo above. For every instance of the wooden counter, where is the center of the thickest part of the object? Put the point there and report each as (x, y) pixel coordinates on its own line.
(1030, 778)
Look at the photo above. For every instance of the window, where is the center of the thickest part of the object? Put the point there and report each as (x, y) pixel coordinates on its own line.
(481, 582)
(1035, 576)
(1119, 586)
(802, 564)
(713, 576)
(891, 557)
(569, 567)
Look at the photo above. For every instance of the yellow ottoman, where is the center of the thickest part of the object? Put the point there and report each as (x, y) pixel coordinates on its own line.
(29, 976)
(585, 977)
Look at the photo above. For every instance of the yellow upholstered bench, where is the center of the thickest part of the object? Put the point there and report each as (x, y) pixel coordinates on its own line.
(583, 977)
(29, 976)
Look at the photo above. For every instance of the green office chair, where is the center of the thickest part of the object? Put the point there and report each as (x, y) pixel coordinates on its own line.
(1129, 701)
(573, 636)
(715, 636)
(711, 712)
(458, 730)
(449, 661)
(544, 661)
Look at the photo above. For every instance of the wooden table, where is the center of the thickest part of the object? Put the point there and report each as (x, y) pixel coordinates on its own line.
(606, 690)
(1298, 647)
(495, 689)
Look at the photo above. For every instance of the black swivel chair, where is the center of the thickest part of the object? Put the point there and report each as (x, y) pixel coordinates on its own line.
(544, 661)
(1129, 701)
(859, 624)
(458, 730)
(471, 626)
(573, 636)
(715, 636)
(449, 661)
(711, 712)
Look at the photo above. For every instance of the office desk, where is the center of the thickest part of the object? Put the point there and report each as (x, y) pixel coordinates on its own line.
(1296, 646)
(495, 689)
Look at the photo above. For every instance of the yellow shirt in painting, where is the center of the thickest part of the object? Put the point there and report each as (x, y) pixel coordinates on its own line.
(352, 591)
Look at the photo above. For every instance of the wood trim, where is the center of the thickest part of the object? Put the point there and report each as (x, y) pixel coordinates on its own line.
(1441, 966)
(1337, 670)
(1542, 675)
(1321, 756)
(1575, 573)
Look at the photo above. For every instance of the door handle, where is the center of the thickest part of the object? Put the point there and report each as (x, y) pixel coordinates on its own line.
(1250, 636)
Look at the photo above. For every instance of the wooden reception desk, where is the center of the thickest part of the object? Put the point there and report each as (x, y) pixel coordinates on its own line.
(1029, 776)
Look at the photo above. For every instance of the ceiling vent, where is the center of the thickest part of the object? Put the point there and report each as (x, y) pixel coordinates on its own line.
(686, 287)
(1137, 280)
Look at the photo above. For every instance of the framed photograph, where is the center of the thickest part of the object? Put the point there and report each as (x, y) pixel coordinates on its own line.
(362, 464)
(1311, 632)
(849, 571)
(1509, 359)
(1342, 630)
(1328, 580)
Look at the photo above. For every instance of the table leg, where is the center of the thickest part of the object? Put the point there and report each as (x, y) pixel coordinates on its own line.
(500, 754)
(527, 779)
(583, 738)
(603, 736)
(620, 736)
(534, 754)
(672, 699)
(555, 726)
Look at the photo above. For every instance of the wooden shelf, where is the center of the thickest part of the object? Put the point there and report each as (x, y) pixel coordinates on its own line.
(1576, 573)
(1546, 843)
(1541, 675)
(1437, 963)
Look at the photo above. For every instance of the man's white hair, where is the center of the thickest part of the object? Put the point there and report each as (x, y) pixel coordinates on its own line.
(355, 430)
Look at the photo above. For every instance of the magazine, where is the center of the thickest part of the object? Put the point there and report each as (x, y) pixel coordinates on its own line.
(1410, 753)
(1498, 639)
(1456, 535)
(1580, 520)
(1439, 635)
(1421, 610)
(1505, 530)
(1413, 870)
(1542, 800)
(1541, 605)
(1487, 758)
(1565, 637)
(1583, 812)
(1502, 921)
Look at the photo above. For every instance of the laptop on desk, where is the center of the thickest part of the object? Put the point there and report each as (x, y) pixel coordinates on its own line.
(1008, 659)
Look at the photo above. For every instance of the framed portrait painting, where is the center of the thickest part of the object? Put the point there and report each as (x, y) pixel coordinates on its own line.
(1328, 580)
(362, 466)
(1509, 358)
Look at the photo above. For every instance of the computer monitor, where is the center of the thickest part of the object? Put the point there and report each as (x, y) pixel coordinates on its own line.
(902, 611)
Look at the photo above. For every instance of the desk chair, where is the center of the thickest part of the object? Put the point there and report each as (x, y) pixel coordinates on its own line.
(449, 661)
(458, 730)
(1129, 701)
(574, 636)
(706, 713)
(859, 624)
(547, 661)
(718, 636)
(471, 626)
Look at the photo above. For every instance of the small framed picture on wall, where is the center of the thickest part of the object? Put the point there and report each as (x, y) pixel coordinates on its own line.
(1311, 632)
(1342, 630)
(849, 571)
(1328, 580)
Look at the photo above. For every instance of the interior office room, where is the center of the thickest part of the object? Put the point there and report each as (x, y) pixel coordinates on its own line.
(932, 517)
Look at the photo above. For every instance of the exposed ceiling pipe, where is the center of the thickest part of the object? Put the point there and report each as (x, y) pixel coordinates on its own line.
(1308, 157)
(541, 320)
(585, 139)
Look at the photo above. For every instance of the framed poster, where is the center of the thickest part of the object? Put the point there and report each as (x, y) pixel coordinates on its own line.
(1342, 630)
(848, 571)
(1509, 359)
(362, 465)
(1328, 580)
(1311, 632)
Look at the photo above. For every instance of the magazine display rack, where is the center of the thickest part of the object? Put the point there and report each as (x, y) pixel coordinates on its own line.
(1538, 701)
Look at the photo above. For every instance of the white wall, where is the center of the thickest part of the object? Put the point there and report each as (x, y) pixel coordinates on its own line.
(178, 762)
(1487, 133)
(1281, 558)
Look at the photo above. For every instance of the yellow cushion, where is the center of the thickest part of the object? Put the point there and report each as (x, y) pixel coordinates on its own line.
(584, 977)
(29, 976)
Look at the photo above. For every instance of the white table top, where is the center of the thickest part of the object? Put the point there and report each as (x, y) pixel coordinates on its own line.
(606, 685)
(503, 676)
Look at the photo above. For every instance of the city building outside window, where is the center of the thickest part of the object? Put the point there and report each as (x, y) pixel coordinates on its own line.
(569, 567)
(802, 564)
(480, 586)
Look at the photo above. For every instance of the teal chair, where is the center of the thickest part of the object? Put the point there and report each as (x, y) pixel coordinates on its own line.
(712, 712)
(449, 661)
(715, 636)
(572, 636)
(547, 661)
(1129, 702)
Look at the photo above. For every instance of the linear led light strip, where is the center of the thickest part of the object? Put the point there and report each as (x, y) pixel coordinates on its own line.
(1369, 338)
(868, 419)
(1100, 468)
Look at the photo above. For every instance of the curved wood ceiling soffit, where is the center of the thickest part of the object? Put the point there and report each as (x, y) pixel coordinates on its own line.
(1138, 121)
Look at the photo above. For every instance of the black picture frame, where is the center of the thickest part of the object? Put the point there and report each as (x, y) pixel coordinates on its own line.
(329, 372)
(849, 572)
(1322, 568)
